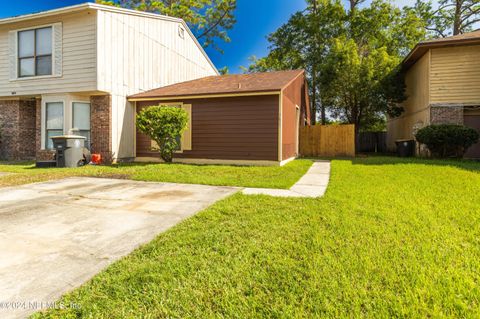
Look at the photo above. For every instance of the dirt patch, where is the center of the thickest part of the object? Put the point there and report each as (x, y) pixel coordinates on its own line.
(166, 194)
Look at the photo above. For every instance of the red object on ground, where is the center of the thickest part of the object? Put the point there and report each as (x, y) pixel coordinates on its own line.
(96, 158)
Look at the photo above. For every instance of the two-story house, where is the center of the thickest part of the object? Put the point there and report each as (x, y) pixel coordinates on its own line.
(73, 68)
(442, 87)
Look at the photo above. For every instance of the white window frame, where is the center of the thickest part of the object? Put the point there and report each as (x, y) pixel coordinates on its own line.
(44, 120)
(67, 101)
(29, 78)
(35, 56)
(71, 116)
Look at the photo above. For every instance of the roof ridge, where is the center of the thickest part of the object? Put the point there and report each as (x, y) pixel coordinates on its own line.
(231, 84)
(174, 84)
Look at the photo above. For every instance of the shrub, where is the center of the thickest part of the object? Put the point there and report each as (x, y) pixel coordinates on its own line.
(163, 124)
(447, 140)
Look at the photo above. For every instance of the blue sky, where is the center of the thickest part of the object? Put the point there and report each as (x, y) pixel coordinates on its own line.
(255, 20)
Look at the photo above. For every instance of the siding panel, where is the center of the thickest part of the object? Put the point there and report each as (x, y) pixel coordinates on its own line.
(293, 96)
(416, 111)
(78, 63)
(137, 54)
(455, 75)
(237, 128)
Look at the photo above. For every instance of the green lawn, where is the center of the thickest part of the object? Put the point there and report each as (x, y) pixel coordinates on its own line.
(391, 238)
(247, 176)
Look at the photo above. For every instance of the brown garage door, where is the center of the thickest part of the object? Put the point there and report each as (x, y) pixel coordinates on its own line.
(473, 121)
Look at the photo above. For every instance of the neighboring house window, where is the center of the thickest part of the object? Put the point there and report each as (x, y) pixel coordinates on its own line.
(53, 122)
(81, 120)
(35, 52)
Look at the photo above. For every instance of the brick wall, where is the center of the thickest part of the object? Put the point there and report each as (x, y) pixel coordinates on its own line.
(446, 114)
(41, 155)
(101, 125)
(17, 128)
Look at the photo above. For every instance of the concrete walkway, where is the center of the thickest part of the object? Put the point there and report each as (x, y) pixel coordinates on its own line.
(313, 184)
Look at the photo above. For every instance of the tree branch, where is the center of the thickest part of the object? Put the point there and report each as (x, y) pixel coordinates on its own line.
(214, 25)
(470, 23)
(436, 30)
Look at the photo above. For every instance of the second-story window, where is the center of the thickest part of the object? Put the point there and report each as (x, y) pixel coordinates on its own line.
(35, 52)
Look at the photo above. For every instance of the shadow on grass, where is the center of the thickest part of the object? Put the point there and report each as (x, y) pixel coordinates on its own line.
(470, 165)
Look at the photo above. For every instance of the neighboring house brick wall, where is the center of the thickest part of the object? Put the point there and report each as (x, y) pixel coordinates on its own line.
(101, 124)
(446, 114)
(17, 125)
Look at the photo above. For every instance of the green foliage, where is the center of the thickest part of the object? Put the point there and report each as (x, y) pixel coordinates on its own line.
(163, 124)
(391, 238)
(224, 70)
(448, 17)
(208, 19)
(447, 140)
(351, 57)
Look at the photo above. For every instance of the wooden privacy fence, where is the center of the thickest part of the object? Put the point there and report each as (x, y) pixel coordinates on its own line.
(327, 140)
(372, 142)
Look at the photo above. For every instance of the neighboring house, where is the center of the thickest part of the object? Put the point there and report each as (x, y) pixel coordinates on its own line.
(443, 86)
(234, 119)
(72, 68)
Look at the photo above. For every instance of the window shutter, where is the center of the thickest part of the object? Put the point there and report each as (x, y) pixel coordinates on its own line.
(187, 134)
(57, 49)
(12, 54)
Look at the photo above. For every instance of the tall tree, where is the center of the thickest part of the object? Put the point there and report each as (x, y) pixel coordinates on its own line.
(208, 19)
(351, 54)
(302, 42)
(451, 17)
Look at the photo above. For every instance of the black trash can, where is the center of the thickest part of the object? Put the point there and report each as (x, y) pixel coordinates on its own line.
(69, 150)
(405, 148)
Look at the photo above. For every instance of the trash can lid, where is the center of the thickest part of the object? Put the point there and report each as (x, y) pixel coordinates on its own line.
(69, 137)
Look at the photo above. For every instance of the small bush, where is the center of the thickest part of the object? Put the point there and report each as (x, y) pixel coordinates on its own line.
(447, 140)
(163, 124)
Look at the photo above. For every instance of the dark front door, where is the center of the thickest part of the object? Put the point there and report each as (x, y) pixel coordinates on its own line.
(473, 121)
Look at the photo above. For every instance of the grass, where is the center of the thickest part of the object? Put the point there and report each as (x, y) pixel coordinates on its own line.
(246, 176)
(391, 238)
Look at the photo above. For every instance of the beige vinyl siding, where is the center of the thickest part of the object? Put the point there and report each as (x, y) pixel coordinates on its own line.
(136, 54)
(455, 75)
(416, 107)
(78, 57)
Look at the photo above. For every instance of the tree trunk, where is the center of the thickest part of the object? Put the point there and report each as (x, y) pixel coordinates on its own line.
(458, 17)
(322, 108)
(314, 72)
(313, 115)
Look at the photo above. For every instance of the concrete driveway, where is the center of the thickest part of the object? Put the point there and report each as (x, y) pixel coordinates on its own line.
(56, 235)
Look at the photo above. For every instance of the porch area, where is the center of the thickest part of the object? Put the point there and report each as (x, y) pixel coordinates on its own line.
(27, 124)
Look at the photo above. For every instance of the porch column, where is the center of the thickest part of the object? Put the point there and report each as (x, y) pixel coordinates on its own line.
(101, 125)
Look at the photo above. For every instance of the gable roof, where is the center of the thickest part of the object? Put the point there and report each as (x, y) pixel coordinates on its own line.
(96, 6)
(224, 84)
(422, 47)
